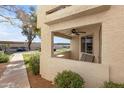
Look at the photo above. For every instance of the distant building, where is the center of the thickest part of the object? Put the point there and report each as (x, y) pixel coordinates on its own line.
(13, 46)
(61, 45)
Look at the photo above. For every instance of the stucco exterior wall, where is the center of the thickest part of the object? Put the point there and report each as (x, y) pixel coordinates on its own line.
(93, 74)
(113, 43)
(75, 48)
(112, 47)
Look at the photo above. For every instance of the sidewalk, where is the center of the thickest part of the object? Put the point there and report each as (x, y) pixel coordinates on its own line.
(15, 75)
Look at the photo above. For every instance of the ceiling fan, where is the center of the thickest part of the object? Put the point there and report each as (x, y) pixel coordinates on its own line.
(75, 32)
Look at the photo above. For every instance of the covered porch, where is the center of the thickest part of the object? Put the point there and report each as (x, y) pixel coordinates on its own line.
(85, 43)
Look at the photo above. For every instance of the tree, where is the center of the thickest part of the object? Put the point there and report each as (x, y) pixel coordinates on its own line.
(5, 47)
(28, 20)
(8, 14)
(29, 27)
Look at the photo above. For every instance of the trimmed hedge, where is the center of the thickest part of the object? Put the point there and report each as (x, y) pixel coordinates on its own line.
(4, 58)
(111, 84)
(69, 79)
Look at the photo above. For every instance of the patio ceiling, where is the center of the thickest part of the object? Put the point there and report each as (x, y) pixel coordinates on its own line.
(66, 33)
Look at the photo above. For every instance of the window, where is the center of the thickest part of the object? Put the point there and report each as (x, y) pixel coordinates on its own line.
(87, 44)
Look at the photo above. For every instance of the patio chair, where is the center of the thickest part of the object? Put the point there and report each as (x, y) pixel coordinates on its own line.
(87, 57)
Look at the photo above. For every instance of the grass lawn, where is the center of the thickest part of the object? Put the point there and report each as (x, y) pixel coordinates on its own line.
(61, 50)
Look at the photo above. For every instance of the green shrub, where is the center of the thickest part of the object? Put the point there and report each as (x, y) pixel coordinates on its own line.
(4, 58)
(111, 84)
(26, 58)
(34, 63)
(69, 79)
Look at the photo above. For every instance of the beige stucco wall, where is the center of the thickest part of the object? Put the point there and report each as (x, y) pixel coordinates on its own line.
(75, 48)
(74, 11)
(112, 47)
(93, 74)
(113, 43)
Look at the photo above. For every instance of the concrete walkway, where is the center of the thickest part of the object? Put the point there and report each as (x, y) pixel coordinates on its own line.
(15, 75)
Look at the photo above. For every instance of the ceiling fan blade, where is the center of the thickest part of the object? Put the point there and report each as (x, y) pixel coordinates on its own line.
(77, 33)
(81, 32)
(68, 33)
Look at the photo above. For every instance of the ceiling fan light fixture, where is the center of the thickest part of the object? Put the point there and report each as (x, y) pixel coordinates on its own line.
(72, 34)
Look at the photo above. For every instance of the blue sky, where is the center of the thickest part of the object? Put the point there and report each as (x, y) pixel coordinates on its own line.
(12, 33)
